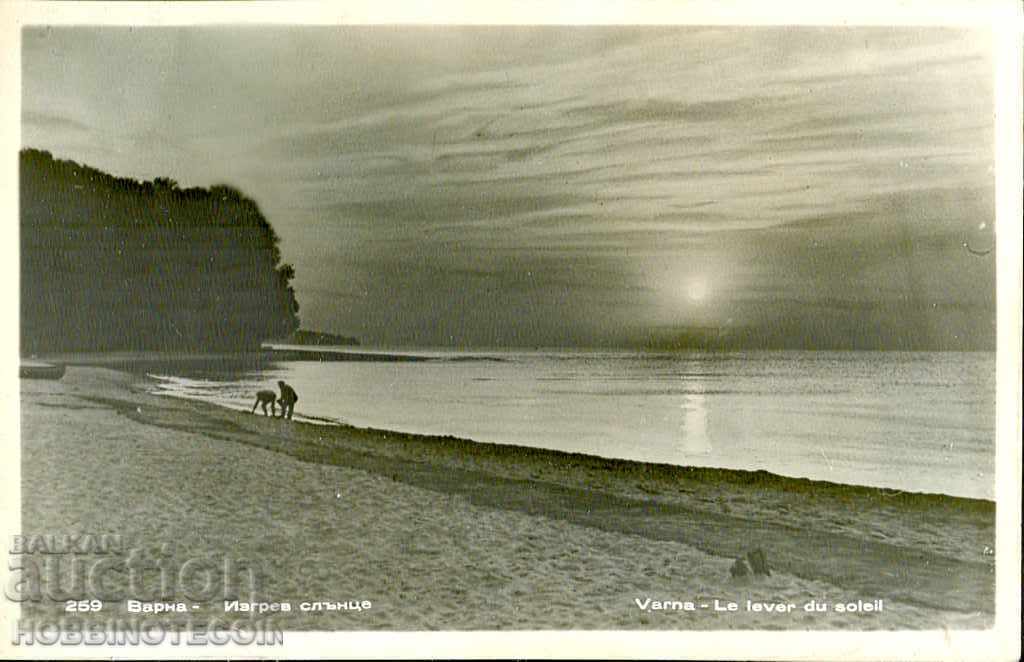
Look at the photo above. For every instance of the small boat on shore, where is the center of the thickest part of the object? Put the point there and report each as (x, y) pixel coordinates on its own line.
(41, 370)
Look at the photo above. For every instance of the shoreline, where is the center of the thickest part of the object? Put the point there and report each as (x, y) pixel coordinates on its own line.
(664, 470)
(138, 364)
(923, 551)
(660, 470)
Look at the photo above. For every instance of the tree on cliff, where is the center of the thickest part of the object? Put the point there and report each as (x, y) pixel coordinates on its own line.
(110, 263)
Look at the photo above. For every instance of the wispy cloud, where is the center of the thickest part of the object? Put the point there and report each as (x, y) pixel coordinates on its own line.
(788, 163)
(49, 122)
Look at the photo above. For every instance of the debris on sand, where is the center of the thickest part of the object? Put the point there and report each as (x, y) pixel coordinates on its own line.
(739, 569)
(759, 562)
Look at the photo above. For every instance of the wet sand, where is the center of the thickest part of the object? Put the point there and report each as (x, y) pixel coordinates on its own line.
(442, 533)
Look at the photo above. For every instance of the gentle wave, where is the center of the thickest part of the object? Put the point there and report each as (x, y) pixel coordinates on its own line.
(917, 422)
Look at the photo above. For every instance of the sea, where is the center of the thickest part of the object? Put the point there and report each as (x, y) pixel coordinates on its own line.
(910, 421)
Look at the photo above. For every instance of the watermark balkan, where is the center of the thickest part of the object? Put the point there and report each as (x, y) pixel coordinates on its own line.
(144, 632)
(85, 570)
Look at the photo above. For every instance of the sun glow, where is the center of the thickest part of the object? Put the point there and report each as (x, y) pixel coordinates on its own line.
(697, 290)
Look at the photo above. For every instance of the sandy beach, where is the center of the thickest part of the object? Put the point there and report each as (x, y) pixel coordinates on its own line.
(447, 534)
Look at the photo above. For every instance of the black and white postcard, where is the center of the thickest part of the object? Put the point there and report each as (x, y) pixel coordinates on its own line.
(632, 331)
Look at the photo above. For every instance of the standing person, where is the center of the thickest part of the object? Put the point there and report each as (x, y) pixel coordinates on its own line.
(288, 399)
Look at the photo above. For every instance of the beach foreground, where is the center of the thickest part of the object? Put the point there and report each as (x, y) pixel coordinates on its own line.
(441, 533)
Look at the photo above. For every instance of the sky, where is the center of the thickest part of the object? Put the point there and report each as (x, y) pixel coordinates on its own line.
(567, 186)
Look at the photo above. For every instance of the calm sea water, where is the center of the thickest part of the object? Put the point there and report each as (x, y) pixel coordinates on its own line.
(921, 422)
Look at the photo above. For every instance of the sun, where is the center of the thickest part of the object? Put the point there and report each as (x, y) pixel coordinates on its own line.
(697, 290)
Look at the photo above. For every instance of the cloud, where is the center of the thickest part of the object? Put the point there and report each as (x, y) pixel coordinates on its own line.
(48, 122)
(539, 185)
(662, 110)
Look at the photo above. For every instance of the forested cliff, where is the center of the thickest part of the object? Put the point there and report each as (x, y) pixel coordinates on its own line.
(111, 263)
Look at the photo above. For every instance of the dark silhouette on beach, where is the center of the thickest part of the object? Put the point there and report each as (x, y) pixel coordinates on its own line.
(264, 398)
(288, 399)
(111, 263)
